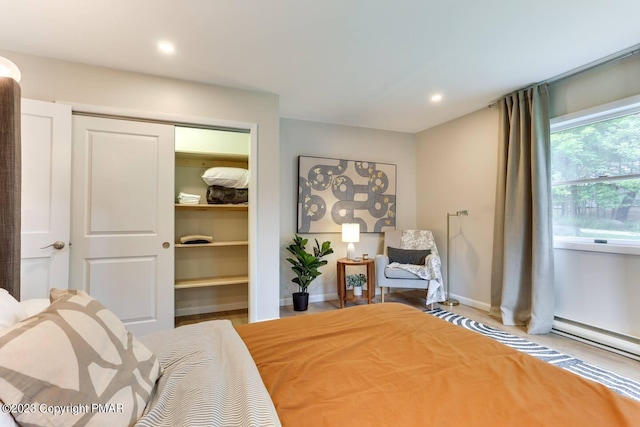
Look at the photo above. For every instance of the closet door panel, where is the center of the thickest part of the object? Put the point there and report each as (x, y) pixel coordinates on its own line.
(133, 278)
(124, 183)
(122, 218)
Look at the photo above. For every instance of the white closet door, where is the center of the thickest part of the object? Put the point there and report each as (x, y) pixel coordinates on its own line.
(122, 219)
(46, 179)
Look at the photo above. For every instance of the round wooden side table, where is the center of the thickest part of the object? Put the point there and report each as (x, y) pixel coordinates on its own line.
(342, 283)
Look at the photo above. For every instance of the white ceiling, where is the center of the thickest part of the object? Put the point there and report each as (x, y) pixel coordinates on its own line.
(371, 63)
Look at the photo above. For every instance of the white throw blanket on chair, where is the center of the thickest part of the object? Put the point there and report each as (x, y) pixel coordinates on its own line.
(423, 239)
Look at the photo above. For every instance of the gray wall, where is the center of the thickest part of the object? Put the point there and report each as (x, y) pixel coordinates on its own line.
(607, 83)
(298, 137)
(456, 170)
(599, 289)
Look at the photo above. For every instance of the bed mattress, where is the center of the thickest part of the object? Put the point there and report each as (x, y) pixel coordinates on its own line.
(393, 365)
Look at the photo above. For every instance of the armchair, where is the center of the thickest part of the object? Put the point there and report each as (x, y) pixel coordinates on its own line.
(425, 276)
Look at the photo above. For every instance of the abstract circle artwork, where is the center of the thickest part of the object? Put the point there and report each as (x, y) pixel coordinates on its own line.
(336, 191)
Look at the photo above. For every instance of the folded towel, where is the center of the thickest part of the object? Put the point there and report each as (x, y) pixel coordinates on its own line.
(188, 199)
(188, 196)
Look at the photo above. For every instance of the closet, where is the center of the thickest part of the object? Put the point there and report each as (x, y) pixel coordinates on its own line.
(211, 239)
(122, 218)
(126, 225)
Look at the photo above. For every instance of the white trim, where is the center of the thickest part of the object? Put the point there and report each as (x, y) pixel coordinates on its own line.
(612, 247)
(312, 298)
(334, 296)
(597, 339)
(176, 119)
(472, 303)
(181, 120)
(598, 113)
(253, 224)
(331, 296)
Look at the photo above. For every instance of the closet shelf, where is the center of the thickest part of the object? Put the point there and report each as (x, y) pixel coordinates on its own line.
(211, 281)
(214, 244)
(203, 207)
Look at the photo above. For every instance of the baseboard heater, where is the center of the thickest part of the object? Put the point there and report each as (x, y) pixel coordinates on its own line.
(607, 340)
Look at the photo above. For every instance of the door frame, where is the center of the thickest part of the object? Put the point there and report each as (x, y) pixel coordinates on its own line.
(195, 121)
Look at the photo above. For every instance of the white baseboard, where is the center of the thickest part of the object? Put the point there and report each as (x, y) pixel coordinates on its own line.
(472, 303)
(318, 297)
(312, 298)
(334, 296)
(626, 347)
(202, 309)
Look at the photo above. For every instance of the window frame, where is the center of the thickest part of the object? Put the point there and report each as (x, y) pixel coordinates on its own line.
(598, 113)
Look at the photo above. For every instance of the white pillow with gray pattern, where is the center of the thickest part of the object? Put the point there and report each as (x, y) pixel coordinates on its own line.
(75, 363)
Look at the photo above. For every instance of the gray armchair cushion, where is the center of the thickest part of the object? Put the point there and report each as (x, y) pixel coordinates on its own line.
(407, 256)
(399, 273)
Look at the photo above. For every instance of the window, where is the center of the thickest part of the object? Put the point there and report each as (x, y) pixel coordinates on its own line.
(595, 170)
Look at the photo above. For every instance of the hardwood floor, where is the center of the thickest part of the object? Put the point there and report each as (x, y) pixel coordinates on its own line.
(237, 317)
(619, 364)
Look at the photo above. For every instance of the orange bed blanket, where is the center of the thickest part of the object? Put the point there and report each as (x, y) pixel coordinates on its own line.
(393, 365)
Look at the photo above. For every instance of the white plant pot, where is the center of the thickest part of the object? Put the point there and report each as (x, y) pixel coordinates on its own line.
(357, 291)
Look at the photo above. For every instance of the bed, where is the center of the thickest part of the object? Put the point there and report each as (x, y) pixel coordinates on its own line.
(370, 365)
(390, 364)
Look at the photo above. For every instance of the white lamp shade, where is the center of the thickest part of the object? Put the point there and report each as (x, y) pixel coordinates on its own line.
(9, 69)
(351, 232)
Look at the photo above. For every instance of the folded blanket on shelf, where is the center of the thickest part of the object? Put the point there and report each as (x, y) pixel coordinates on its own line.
(223, 195)
(188, 199)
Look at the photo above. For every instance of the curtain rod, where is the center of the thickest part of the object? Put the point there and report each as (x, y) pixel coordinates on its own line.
(633, 50)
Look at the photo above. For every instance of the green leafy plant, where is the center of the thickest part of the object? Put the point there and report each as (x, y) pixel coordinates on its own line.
(305, 264)
(356, 280)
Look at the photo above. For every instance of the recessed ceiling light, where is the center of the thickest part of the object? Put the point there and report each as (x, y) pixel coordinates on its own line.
(436, 98)
(166, 47)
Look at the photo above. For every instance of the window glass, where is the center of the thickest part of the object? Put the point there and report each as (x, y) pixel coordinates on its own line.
(596, 179)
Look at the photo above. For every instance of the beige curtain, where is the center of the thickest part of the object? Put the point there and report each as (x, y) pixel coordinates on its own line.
(522, 288)
(10, 186)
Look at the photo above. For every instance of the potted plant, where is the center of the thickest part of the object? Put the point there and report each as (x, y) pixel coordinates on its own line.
(306, 265)
(356, 281)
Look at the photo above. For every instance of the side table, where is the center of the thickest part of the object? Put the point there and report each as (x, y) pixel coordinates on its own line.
(342, 283)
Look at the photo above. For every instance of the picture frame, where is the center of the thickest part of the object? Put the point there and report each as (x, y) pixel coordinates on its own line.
(336, 191)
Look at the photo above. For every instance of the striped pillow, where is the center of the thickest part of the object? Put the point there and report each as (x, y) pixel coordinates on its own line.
(75, 363)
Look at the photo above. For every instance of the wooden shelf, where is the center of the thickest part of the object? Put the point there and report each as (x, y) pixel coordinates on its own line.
(206, 282)
(198, 160)
(214, 244)
(203, 207)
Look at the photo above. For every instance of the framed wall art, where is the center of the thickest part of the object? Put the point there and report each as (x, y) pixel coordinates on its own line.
(336, 191)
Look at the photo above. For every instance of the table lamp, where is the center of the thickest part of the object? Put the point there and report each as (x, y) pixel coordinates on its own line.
(350, 234)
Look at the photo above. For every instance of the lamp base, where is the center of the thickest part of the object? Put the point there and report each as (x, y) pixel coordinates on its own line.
(450, 302)
(351, 252)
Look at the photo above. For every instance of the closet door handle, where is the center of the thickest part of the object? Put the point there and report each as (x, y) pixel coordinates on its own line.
(56, 245)
(166, 245)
